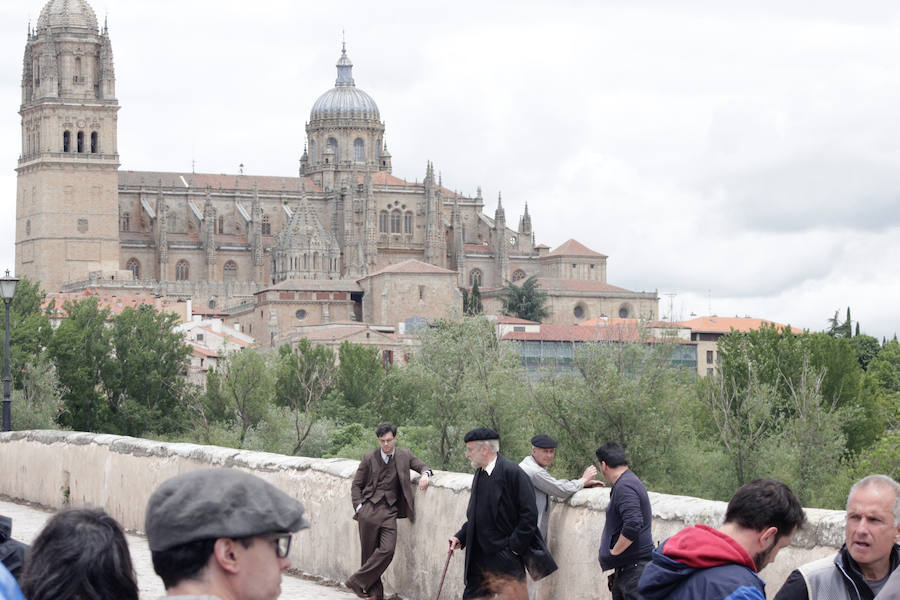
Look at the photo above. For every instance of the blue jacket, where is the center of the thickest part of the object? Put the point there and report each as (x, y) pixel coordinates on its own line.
(9, 589)
(700, 563)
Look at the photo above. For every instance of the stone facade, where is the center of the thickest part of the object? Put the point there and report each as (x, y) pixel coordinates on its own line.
(222, 239)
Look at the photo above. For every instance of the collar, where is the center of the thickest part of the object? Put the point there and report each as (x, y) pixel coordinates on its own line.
(384, 457)
(490, 467)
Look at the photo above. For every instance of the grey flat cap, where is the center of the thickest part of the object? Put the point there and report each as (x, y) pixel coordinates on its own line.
(216, 503)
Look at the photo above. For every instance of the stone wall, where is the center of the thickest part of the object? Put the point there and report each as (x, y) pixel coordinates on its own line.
(56, 469)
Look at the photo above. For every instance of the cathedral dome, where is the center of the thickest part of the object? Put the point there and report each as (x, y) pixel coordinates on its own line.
(67, 13)
(344, 99)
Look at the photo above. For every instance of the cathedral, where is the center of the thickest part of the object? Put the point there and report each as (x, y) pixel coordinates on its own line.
(344, 240)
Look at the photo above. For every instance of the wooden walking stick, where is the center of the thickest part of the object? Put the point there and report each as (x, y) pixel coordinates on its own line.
(444, 574)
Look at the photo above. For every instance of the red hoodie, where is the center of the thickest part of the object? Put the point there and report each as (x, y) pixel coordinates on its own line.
(702, 547)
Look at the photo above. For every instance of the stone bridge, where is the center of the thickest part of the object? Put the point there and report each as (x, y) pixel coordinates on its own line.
(58, 469)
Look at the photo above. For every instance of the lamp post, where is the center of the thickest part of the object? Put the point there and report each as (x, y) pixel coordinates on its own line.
(7, 291)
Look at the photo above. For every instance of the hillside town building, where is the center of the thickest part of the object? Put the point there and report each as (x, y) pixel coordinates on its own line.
(344, 240)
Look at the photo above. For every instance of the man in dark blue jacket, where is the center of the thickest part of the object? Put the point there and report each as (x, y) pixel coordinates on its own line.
(626, 542)
(702, 563)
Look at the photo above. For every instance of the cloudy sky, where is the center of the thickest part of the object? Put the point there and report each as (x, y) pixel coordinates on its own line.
(740, 160)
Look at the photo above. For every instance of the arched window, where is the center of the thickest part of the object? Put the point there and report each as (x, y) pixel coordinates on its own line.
(221, 224)
(125, 221)
(182, 271)
(134, 266)
(383, 221)
(67, 140)
(518, 274)
(475, 276)
(332, 146)
(395, 221)
(80, 142)
(359, 150)
(266, 225)
(229, 272)
(624, 311)
(76, 78)
(95, 147)
(407, 222)
(312, 151)
(171, 223)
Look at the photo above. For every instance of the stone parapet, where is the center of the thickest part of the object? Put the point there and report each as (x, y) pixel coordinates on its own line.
(57, 469)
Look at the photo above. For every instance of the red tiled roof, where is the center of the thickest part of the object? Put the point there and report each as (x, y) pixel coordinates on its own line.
(606, 321)
(578, 333)
(115, 303)
(204, 352)
(716, 324)
(411, 266)
(575, 285)
(217, 181)
(319, 285)
(574, 248)
(507, 320)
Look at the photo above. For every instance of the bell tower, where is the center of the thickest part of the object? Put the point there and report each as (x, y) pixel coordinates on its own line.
(67, 187)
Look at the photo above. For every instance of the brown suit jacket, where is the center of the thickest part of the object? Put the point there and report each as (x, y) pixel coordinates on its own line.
(363, 486)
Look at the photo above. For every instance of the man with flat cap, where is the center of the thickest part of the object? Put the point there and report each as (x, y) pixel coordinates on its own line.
(221, 534)
(543, 451)
(501, 519)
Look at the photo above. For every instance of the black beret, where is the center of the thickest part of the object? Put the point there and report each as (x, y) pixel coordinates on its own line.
(480, 434)
(217, 503)
(542, 440)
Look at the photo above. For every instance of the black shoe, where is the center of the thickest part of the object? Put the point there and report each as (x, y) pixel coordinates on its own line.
(356, 588)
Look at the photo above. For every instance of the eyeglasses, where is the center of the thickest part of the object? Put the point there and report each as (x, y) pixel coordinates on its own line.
(282, 543)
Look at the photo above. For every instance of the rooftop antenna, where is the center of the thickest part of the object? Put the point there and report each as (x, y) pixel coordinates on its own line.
(241, 167)
(671, 296)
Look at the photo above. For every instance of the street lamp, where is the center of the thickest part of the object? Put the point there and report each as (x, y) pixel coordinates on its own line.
(7, 291)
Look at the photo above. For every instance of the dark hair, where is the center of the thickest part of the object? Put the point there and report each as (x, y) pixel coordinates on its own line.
(612, 454)
(384, 428)
(186, 561)
(766, 503)
(80, 554)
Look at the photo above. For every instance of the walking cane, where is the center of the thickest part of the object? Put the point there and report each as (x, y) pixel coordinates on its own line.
(444, 574)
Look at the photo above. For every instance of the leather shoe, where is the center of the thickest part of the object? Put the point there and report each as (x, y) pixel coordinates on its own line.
(356, 588)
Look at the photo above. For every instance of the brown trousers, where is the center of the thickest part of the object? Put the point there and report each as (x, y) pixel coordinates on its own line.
(377, 539)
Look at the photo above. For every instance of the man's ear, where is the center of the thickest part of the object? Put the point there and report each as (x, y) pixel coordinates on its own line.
(767, 535)
(224, 551)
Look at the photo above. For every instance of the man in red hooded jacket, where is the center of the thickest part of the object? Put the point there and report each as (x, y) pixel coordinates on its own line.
(702, 563)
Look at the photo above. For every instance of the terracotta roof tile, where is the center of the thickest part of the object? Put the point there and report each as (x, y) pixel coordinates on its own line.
(716, 324)
(507, 320)
(410, 266)
(574, 248)
(223, 181)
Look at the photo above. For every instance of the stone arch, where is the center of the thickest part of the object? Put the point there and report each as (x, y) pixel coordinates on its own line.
(359, 150)
(626, 311)
(95, 145)
(518, 274)
(408, 222)
(383, 221)
(476, 276)
(182, 270)
(134, 265)
(230, 271)
(80, 142)
(266, 225)
(67, 141)
(396, 222)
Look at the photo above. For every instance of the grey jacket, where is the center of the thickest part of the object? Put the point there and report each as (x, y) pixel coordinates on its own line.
(546, 485)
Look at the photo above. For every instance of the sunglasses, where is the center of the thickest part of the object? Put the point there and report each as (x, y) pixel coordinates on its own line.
(282, 543)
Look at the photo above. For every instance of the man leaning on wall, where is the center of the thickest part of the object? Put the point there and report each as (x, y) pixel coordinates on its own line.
(381, 494)
(870, 554)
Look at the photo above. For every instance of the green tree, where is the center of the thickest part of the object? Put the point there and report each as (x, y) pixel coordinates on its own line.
(29, 328)
(526, 301)
(866, 348)
(361, 382)
(472, 305)
(144, 379)
(239, 391)
(304, 379)
(38, 402)
(79, 349)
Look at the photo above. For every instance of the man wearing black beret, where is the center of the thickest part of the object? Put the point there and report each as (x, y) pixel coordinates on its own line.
(501, 519)
(221, 533)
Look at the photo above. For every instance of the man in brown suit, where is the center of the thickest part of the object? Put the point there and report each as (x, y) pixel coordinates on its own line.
(381, 494)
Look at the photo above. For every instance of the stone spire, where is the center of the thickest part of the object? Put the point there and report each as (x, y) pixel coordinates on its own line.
(500, 251)
(435, 247)
(162, 224)
(209, 236)
(458, 242)
(304, 249)
(525, 222)
(371, 222)
(256, 235)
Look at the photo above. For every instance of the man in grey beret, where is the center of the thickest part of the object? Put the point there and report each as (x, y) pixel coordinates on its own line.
(221, 533)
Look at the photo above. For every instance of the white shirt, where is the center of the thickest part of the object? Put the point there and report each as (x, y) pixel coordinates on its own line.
(490, 466)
